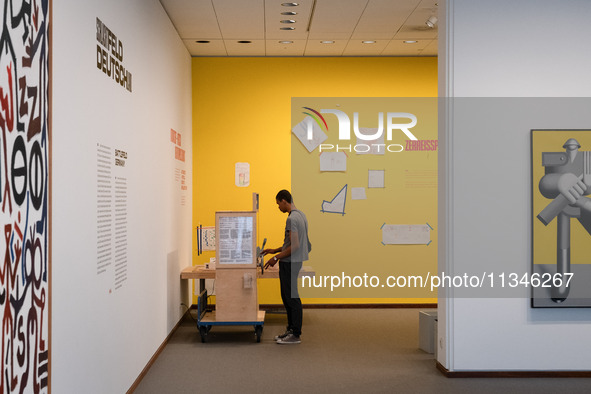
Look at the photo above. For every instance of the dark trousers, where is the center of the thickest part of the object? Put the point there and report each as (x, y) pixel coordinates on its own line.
(288, 278)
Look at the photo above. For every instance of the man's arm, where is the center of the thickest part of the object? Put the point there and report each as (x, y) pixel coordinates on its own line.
(295, 244)
(273, 260)
(295, 241)
(271, 250)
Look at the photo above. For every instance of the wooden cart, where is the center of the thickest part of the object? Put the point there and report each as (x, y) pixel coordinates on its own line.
(206, 319)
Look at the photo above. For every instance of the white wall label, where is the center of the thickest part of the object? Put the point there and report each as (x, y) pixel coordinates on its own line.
(112, 220)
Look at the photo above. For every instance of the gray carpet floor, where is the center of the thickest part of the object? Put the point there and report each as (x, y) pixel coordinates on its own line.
(342, 351)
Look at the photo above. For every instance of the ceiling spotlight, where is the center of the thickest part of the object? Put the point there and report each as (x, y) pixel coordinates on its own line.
(244, 42)
(431, 22)
(289, 4)
(202, 42)
(368, 42)
(286, 42)
(288, 21)
(289, 13)
(410, 42)
(327, 42)
(287, 28)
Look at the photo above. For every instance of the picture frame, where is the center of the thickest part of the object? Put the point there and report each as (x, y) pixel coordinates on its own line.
(561, 218)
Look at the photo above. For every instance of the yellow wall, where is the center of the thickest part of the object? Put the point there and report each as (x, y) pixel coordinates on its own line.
(242, 113)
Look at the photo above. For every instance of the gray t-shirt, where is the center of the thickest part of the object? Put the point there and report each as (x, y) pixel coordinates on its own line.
(296, 222)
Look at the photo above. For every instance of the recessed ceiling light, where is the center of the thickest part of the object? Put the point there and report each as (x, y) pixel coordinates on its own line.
(289, 13)
(244, 42)
(290, 4)
(410, 42)
(288, 21)
(368, 42)
(287, 28)
(327, 42)
(202, 42)
(286, 42)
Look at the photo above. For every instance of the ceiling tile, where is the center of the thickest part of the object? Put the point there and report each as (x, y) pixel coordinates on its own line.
(358, 48)
(399, 48)
(415, 26)
(273, 18)
(336, 18)
(347, 22)
(275, 48)
(193, 18)
(316, 48)
(383, 18)
(255, 48)
(213, 48)
(241, 20)
(431, 49)
(415, 33)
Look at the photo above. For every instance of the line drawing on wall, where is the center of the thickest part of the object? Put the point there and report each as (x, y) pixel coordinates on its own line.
(333, 161)
(337, 204)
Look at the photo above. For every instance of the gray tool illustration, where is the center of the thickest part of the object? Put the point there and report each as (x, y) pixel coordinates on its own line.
(567, 181)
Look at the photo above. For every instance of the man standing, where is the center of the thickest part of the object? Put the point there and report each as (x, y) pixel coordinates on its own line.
(290, 257)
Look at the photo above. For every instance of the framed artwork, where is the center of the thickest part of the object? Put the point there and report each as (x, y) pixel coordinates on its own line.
(561, 218)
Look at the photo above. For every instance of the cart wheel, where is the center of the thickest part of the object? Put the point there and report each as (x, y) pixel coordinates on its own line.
(258, 330)
(203, 332)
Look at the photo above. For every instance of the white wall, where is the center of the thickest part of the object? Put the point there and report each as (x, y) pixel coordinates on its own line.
(505, 49)
(103, 336)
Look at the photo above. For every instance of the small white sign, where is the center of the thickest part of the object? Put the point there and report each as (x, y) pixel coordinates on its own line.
(242, 174)
(376, 178)
(207, 238)
(406, 234)
(358, 193)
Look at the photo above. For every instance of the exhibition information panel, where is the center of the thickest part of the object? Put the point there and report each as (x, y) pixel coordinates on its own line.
(236, 240)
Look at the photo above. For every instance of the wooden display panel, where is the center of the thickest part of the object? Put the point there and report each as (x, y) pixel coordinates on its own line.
(236, 237)
(234, 301)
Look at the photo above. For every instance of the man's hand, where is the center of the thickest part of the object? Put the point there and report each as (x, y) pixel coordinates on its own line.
(271, 262)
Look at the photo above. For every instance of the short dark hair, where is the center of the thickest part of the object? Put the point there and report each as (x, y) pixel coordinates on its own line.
(283, 195)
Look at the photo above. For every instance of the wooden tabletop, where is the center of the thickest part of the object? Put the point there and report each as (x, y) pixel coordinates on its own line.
(199, 272)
